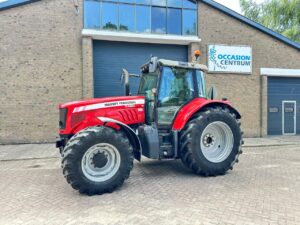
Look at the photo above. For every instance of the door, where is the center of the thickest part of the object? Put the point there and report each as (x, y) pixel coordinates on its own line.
(110, 57)
(282, 89)
(289, 117)
(176, 88)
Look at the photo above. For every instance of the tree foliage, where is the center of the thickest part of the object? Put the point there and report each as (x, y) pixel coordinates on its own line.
(282, 16)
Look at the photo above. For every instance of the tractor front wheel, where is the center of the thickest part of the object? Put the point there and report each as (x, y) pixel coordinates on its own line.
(97, 160)
(211, 141)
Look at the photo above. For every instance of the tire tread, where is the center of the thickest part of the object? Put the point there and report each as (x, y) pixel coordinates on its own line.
(70, 157)
(187, 156)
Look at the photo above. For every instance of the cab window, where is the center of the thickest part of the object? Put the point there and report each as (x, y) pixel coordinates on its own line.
(176, 89)
(201, 83)
(176, 86)
(148, 82)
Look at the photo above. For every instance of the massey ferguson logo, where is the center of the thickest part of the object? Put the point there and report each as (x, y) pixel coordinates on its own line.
(109, 104)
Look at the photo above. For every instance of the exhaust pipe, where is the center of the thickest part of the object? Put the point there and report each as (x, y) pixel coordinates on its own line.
(125, 78)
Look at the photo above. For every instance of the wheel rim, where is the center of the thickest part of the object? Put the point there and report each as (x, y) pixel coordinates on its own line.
(100, 162)
(216, 142)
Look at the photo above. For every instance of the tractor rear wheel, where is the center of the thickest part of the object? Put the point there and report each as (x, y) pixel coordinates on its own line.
(211, 141)
(97, 160)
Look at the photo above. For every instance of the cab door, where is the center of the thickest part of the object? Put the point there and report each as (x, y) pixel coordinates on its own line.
(176, 88)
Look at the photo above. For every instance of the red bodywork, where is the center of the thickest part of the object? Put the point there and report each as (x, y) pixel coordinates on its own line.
(83, 114)
(194, 106)
(129, 110)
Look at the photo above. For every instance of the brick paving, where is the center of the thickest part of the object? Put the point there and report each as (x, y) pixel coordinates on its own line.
(264, 188)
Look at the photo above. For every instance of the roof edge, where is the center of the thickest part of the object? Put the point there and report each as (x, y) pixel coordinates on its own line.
(252, 23)
(14, 3)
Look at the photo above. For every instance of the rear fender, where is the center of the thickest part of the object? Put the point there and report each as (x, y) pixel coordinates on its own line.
(132, 136)
(186, 112)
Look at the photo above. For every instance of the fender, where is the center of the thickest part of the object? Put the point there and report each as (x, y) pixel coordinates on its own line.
(187, 111)
(133, 138)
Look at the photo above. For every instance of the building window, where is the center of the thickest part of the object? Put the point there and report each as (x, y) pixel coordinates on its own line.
(126, 17)
(189, 22)
(109, 16)
(158, 20)
(143, 19)
(189, 4)
(174, 17)
(92, 15)
(174, 21)
(175, 3)
(159, 2)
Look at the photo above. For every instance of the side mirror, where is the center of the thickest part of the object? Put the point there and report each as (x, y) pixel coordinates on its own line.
(212, 93)
(153, 64)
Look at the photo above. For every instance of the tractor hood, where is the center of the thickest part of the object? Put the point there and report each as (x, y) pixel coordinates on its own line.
(108, 102)
(77, 115)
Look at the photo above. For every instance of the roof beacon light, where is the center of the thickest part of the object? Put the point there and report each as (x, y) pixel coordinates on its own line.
(197, 54)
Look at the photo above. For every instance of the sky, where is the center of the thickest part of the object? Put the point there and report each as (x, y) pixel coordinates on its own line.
(234, 4)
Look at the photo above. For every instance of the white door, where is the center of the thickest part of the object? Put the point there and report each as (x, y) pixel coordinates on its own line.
(289, 117)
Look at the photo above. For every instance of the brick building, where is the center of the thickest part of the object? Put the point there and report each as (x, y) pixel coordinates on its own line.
(52, 53)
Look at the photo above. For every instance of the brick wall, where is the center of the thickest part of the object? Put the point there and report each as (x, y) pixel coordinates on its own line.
(43, 58)
(41, 66)
(244, 91)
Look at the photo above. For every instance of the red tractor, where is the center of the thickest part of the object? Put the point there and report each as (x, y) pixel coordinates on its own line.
(171, 117)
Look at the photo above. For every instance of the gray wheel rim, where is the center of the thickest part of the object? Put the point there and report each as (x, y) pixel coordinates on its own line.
(216, 142)
(113, 162)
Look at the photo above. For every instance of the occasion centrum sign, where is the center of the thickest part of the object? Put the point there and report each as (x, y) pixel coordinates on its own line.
(229, 59)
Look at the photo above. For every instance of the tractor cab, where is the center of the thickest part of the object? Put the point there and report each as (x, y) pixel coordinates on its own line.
(167, 86)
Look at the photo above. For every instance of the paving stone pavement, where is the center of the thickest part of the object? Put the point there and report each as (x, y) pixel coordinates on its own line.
(264, 188)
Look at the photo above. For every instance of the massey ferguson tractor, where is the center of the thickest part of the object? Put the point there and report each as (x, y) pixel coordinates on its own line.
(172, 117)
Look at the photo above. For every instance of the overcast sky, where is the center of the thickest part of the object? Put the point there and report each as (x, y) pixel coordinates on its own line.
(234, 4)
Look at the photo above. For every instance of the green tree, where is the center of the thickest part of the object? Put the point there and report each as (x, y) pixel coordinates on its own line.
(282, 16)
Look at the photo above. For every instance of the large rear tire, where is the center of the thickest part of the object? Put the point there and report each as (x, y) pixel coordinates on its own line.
(211, 141)
(97, 160)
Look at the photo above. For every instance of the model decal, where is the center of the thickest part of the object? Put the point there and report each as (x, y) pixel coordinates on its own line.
(130, 103)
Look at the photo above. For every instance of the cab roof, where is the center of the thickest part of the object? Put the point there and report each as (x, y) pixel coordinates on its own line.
(166, 62)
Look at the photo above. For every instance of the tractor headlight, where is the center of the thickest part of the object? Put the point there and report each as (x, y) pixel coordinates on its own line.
(62, 118)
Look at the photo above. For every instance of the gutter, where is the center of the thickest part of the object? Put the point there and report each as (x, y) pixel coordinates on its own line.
(14, 3)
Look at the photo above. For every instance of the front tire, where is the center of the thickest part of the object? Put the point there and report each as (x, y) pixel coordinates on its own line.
(211, 141)
(97, 160)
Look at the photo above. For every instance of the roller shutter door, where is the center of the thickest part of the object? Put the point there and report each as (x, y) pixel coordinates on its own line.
(283, 105)
(110, 57)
